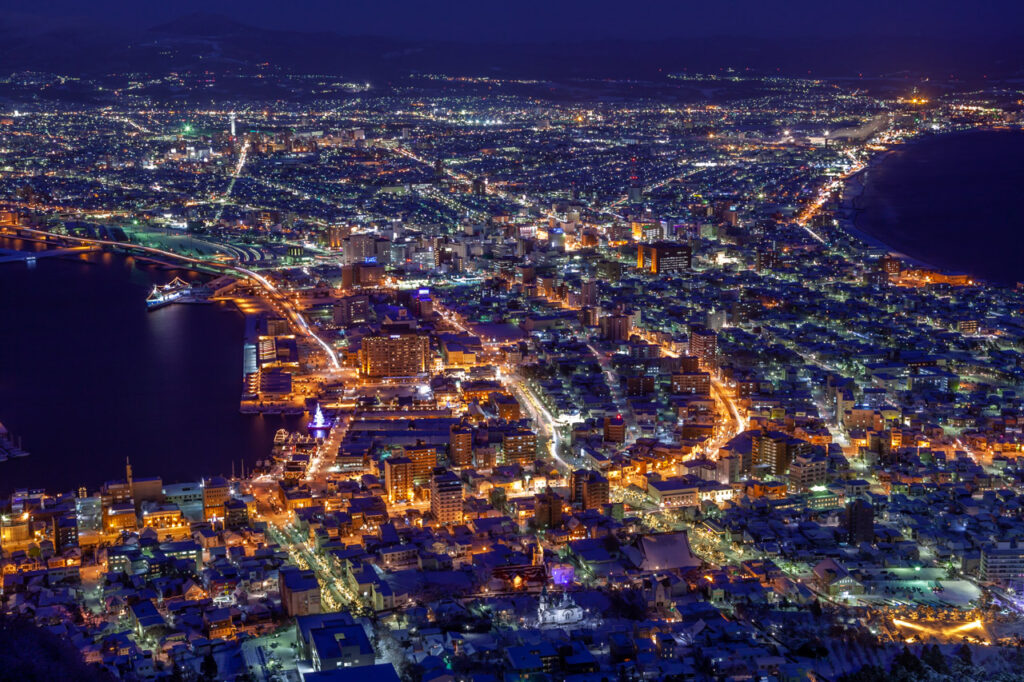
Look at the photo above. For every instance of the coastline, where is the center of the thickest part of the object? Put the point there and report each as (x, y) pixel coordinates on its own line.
(853, 189)
(167, 334)
(851, 219)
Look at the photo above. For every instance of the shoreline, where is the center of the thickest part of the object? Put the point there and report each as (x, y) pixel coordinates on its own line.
(855, 186)
(853, 189)
(154, 271)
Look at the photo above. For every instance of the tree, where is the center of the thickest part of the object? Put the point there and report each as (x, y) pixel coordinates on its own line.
(906, 665)
(867, 673)
(208, 669)
(963, 652)
(933, 658)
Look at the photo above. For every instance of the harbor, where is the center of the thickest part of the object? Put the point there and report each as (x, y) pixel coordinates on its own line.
(180, 362)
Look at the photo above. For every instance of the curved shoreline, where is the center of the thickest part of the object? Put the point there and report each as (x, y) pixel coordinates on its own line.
(852, 219)
(230, 434)
(852, 191)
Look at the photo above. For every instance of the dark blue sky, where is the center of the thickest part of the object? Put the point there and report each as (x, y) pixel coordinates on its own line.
(483, 20)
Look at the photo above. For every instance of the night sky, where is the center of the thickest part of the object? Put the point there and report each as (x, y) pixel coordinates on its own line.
(554, 20)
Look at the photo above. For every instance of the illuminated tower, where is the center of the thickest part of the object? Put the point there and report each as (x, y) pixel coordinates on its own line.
(232, 119)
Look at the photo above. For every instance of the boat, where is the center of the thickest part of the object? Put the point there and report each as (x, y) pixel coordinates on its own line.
(167, 293)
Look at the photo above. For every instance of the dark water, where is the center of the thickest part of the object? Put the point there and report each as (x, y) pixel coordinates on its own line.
(88, 377)
(953, 201)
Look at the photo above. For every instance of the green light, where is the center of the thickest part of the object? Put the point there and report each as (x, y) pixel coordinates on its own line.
(188, 128)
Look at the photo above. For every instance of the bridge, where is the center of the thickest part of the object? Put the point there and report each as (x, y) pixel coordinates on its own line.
(273, 293)
(15, 256)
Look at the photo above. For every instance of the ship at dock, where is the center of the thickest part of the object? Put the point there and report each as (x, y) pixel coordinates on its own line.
(166, 294)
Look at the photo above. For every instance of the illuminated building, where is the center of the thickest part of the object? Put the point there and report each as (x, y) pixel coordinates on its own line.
(398, 478)
(647, 232)
(588, 293)
(236, 513)
(589, 489)
(120, 516)
(772, 450)
(615, 429)
(446, 497)
(216, 492)
(336, 235)
(89, 513)
(1002, 562)
(394, 355)
(15, 529)
(351, 310)
(506, 406)
(424, 459)
(162, 516)
(519, 447)
(704, 346)
(806, 472)
(300, 591)
(663, 257)
(547, 510)
(460, 446)
(691, 383)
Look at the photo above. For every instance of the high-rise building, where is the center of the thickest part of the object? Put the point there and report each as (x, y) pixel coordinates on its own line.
(398, 478)
(860, 521)
(664, 257)
(589, 489)
(806, 472)
(547, 510)
(615, 327)
(423, 458)
(691, 383)
(772, 448)
(396, 354)
(460, 445)
(704, 345)
(1002, 562)
(65, 531)
(519, 447)
(445, 497)
(336, 236)
(615, 429)
(352, 310)
(588, 293)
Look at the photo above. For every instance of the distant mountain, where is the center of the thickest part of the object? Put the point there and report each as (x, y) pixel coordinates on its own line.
(203, 24)
(215, 42)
